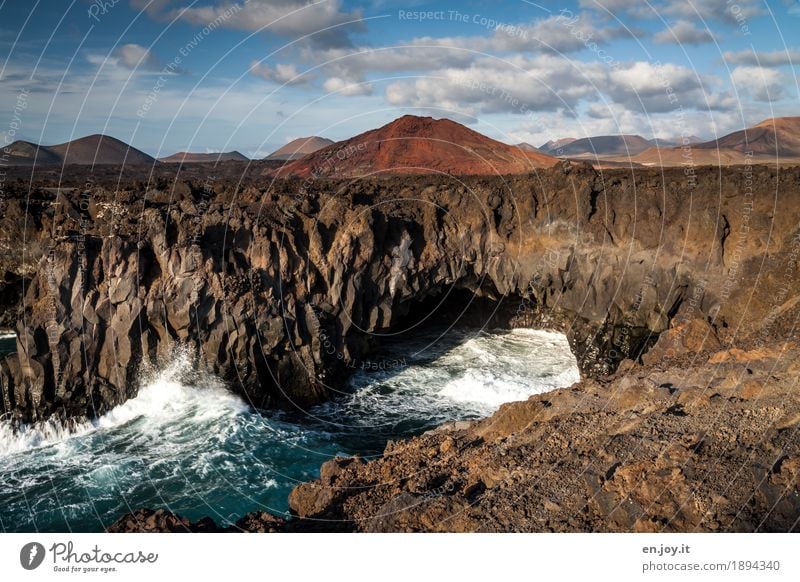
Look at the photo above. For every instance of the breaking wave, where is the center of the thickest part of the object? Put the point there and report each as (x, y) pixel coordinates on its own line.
(187, 443)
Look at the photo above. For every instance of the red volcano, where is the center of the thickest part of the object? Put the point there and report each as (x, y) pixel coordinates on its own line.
(417, 145)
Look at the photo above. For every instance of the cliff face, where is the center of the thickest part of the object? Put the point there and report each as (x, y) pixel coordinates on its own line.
(282, 287)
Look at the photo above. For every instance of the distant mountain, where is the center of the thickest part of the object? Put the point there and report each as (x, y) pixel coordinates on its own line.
(417, 145)
(100, 149)
(772, 140)
(300, 147)
(524, 146)
(192, 158)
(678, 141)
(93, 149)
(552, 146)
(25, 153)
(603, 145)
(609, 145)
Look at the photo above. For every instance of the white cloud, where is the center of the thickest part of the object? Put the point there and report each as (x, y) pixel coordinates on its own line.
(351, 66)
(684, 32)
(654, 88)
(515, 85)
(127, 62)
(324, 20)
(764, 59)
(523, 85)
(618, 8)
(561, 33)
(134, 56)
(347, 88)
(760, 83)
(555, 33)
(285, 74)
(724, 10)
(721, 10)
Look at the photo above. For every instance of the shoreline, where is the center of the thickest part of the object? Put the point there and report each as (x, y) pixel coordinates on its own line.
(631, 453)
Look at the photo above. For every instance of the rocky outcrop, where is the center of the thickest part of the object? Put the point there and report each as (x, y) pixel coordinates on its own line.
(279, 287)
(163, 521)
(708, 442)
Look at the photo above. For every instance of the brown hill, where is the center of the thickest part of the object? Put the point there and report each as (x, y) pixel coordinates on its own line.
(779, 136)
(772, 140)
(196, 158)
(99, 150)
(93, 149)
(25, 153)
(300, 147)
(417, 145)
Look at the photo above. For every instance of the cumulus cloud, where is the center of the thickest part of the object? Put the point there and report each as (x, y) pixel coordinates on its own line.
(517, 85)
(764, 59)
(617, 8)
(324, 20)
(722, 10)
(684, 32)
(652, 88)
(285, 74)
(134, 56)
(126, 58)
(347, 88)
(523, 85)
(417, 55)
(562, 33)
(760, 83)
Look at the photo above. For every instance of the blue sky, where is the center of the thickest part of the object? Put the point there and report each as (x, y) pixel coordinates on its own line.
(210, 75)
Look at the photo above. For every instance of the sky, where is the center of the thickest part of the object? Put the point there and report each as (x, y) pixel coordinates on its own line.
(251, 75)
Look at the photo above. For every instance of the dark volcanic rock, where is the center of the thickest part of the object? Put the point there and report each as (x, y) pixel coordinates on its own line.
(159, 521)
(163, 521)
(279, 288)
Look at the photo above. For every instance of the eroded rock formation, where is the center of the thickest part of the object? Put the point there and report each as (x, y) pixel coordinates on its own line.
(279, 286)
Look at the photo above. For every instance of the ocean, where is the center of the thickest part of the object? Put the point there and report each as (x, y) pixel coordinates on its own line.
(187, 443)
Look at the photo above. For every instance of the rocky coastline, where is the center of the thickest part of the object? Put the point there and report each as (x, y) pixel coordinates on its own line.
(678, 295)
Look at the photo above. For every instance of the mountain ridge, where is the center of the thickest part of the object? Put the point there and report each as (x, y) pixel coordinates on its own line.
(95, 149)
(193, 157)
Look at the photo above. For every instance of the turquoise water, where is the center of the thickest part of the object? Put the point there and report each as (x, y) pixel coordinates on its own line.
(188, 444)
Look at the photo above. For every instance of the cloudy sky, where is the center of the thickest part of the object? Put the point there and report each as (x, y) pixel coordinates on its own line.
(211, 75)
